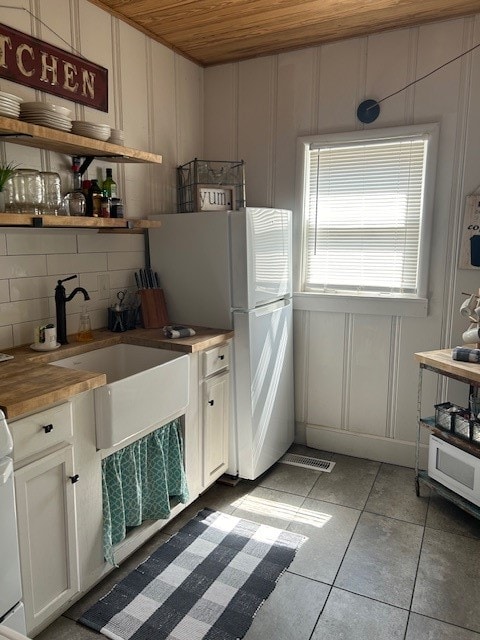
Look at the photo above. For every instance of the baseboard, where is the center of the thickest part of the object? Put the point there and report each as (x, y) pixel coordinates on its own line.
(300, 433)
(365, 446)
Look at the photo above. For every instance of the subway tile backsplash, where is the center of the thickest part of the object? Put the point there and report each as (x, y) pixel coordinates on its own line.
(31, 262)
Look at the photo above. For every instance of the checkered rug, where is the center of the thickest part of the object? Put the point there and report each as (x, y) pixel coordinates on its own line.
(206, 582)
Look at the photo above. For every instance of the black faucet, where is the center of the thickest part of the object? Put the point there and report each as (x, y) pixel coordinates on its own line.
(61, 300)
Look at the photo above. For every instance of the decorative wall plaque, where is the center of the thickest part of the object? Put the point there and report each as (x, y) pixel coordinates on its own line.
(209, 197)
(37, 64)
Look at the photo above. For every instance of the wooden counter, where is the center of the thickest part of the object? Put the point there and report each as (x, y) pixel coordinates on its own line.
(28, 383)
(441, 361)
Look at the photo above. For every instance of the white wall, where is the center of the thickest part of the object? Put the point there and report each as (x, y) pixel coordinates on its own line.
(156, 97)
(356, 379)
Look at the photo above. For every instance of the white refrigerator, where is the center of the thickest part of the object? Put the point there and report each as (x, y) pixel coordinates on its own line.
(234, 270)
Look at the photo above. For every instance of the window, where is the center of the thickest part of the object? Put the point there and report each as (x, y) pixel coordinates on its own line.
(366, 203)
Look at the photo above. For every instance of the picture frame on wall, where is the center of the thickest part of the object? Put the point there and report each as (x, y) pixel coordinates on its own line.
(211, 197)
(470, 243)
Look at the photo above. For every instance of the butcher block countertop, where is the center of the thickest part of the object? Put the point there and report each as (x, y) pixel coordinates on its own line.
(441, 361)
(28, 383)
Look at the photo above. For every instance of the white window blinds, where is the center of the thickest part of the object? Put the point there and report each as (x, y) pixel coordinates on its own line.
(363, 212)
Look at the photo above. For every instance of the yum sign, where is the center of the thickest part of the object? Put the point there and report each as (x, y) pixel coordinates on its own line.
(34, 63)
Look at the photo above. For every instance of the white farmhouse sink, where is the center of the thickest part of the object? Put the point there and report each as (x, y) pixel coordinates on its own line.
(145, 387)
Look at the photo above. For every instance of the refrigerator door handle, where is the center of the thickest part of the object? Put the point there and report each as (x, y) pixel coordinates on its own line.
(271, 308)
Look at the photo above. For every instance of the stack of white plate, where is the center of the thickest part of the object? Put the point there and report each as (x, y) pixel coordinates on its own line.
(117, 137)
(46, 115)
(9, 105)
(91, 130)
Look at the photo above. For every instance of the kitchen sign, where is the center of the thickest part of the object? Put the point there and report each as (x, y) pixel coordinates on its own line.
(37, 64)
(213, 198)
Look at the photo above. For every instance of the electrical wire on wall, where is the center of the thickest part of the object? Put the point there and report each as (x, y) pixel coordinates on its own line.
(369, 110)
(44, 24)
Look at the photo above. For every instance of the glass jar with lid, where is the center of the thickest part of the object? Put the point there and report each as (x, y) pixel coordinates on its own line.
(27, 191)
(51, 192)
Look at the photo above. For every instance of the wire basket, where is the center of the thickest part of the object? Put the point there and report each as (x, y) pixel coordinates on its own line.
(446, 414)
(210, 185)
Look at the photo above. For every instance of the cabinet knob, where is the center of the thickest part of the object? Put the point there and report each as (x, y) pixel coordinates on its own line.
(75, 478)
(222, 357)
(48, 427)
(211, 402)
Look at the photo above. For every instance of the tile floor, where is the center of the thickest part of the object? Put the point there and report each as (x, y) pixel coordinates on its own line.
(379, 563)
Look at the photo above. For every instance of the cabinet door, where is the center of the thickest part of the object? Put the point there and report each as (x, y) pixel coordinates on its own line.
(47, 534)
(216, 412)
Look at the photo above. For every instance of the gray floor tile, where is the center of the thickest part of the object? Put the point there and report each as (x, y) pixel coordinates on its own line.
(291, 611)
(328, 528)
(219, 496)
(224, 497)
(446, 516)
(348, 484)
(65, 629)
(448, 580)
(286, 477)
(381, 561)
(421, 628)
(267, 506)
(393, 494)
(348, 616)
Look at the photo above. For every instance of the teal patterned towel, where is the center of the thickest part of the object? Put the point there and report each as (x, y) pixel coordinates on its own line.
(139, 482)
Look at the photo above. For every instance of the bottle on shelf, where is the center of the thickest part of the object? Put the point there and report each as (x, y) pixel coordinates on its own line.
(109, 185)
(105, 205)
(74, 202)
(86, 184)
(95, 194)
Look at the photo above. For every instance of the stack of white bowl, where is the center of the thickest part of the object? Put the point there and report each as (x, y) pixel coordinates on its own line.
(9, 105)
(91, 130)
(46, 115)
(117, 137)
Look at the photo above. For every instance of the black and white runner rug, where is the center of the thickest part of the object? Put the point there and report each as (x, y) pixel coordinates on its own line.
(206, 582)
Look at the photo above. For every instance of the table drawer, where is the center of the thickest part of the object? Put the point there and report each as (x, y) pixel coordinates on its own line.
(40, 431)
(216, 359)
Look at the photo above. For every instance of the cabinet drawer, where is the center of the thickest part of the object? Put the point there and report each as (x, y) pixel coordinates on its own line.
(41, 431)
(216, 359)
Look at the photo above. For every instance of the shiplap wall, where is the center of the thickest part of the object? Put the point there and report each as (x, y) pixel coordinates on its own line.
(355, 376)
(156, 97)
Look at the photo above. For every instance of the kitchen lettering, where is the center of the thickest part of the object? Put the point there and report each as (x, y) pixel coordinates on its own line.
(34, 63)
(50, 68)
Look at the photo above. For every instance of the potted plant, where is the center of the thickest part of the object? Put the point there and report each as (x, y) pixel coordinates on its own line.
(6, 172)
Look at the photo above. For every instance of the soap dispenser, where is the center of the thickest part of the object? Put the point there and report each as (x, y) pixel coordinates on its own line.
(84, 327)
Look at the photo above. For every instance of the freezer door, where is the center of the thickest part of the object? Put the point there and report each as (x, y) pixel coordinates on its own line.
(261, 256)
(190, 254)
(263, 379)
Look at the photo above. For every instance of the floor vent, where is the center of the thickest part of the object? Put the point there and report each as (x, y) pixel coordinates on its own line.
(307, 462)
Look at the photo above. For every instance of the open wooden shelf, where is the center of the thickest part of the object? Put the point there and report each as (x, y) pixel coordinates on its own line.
(469, 446)
(74, 222)
(443, 491)
(32, 135)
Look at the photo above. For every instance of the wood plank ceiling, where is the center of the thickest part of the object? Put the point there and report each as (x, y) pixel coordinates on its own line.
(218, 31)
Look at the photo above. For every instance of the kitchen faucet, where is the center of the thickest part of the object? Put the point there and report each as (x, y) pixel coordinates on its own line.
(61, 300)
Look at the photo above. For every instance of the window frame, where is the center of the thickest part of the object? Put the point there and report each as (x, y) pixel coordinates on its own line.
(357, 302)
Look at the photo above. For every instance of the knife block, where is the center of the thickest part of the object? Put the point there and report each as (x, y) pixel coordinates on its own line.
(153, 308)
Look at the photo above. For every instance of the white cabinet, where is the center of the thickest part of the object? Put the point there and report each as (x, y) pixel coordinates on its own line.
(45, 481)
(216, 412)
(47, 534)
